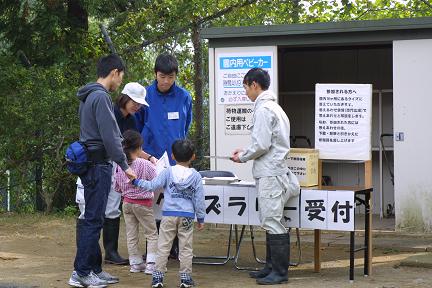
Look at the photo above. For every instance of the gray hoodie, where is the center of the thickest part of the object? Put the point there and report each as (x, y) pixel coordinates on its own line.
(270, 138)
(98, 126)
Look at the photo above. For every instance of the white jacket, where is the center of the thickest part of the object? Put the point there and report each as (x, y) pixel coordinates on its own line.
(270, 138)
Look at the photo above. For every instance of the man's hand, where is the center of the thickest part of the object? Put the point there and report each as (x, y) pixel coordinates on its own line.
(130, 173)
(153, 160)
(235, 155)
(200, 226)
(148, 157)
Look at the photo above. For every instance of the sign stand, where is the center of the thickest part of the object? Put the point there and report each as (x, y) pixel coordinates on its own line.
(368, 238)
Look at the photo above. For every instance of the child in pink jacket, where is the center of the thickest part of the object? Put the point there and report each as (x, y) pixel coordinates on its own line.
(137, 205)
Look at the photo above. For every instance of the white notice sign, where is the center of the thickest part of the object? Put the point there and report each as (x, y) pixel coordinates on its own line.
(231, 68)
(238, 119)
(343, 121)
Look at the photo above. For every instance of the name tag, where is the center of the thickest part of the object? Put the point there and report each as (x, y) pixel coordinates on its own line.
(173, 115)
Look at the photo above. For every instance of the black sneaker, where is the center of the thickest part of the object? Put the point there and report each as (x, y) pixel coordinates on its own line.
(186, 280)
(187, 283)
(157, 280)
(156, 284)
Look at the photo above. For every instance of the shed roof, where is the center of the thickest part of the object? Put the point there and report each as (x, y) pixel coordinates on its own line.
(327, 33)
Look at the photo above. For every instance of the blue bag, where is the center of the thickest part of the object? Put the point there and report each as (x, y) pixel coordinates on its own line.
(77, 158)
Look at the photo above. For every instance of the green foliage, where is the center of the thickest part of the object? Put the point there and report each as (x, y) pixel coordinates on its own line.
(70, 210)
(38, 116)
(38, 109)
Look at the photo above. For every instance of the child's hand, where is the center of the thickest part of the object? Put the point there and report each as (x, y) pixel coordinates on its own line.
(133, 182)
(130, 174)
(200, 226)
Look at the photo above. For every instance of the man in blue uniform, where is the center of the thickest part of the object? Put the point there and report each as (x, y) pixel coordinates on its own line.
(169, 117)
(171, 113)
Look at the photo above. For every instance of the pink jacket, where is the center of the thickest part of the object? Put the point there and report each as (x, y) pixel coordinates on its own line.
(144, 170)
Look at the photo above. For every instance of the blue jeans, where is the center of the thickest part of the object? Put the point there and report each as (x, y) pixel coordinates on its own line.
(97, 185)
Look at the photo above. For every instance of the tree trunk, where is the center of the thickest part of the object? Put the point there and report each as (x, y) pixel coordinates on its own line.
(39, 166)
(40, 203)
(198, 87)
(77, 16)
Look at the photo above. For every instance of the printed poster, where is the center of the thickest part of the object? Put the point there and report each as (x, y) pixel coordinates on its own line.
(231, 67)
(343, 121)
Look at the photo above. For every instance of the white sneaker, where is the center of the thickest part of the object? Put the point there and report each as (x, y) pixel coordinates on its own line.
(91, 281)
(110, 279)
(135, 268)
(150, 268)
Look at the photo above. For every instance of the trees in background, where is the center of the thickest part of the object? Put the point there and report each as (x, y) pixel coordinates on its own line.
(49, 48)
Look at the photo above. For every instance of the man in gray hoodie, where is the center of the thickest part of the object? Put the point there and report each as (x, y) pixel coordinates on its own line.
(269, 150)
(100, 132)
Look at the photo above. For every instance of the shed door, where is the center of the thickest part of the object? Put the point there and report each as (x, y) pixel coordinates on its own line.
(412, 84)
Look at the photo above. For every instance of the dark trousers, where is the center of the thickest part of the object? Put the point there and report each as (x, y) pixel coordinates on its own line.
(97, 185)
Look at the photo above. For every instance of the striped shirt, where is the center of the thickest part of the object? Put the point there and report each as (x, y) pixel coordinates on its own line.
(144, 170)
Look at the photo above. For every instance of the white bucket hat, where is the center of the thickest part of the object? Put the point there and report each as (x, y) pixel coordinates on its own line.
(136, 92)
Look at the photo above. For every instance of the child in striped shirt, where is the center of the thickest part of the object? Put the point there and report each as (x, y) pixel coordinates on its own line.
(137, 205)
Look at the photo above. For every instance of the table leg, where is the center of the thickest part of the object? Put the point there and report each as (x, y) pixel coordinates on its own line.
(352, 245)
(253, 246)
(237, 255)
(317, 250)
(368, 236)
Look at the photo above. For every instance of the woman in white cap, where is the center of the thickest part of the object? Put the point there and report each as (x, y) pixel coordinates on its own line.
(130, 101)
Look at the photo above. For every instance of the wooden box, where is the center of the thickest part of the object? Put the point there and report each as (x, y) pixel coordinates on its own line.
(303, 162)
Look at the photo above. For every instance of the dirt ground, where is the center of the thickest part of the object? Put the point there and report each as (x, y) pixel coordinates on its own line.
(38, 251)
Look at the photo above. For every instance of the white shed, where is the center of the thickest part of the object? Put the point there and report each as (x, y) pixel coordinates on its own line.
(394, 55)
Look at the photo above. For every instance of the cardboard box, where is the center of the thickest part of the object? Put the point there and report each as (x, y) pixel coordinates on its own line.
(303, 162)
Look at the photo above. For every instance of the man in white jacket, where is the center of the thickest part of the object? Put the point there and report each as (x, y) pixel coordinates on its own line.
(269, 150)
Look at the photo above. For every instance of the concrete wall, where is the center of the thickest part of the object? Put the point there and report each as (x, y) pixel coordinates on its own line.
(412, 84)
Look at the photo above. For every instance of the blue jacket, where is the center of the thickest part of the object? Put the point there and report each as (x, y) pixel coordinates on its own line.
(157, 131)
(183, 192)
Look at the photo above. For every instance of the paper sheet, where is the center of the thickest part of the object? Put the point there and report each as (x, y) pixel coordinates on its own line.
(162, 163)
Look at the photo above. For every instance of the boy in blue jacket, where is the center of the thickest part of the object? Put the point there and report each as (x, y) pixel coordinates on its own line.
(183, 199)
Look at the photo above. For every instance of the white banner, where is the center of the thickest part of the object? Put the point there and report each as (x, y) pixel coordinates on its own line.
(340, 212)
(253, 207)
(343, 121)
(313, 209)
(235, 204)
(214, 199)
(291, 213)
